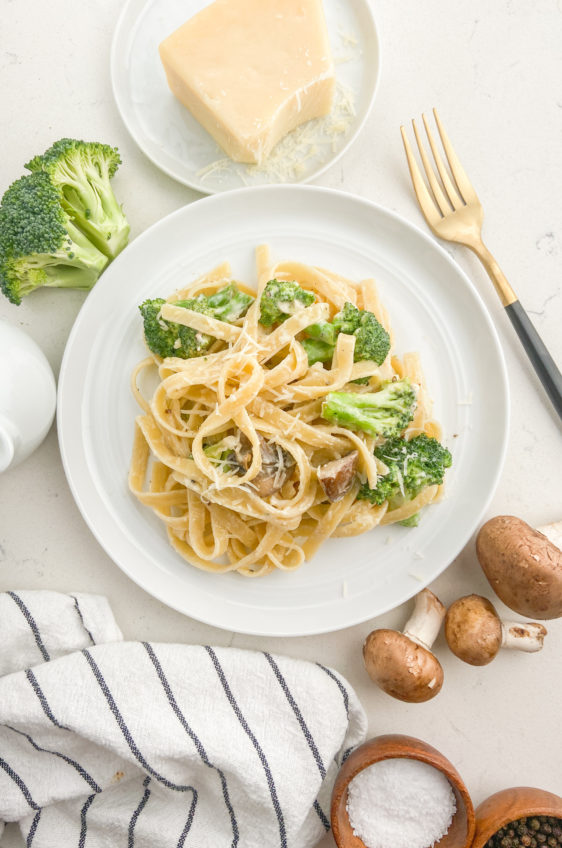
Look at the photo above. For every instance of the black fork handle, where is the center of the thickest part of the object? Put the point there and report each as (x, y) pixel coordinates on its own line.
(543, 363)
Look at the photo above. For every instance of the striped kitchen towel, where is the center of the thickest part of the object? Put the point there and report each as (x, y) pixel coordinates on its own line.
(112, 744)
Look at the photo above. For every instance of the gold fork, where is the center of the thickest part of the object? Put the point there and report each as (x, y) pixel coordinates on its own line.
(454, 213)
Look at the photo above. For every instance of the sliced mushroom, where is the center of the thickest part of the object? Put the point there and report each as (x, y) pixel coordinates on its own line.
(475, 633)
(336, 477)
(277, 465)
(523, 565)
(402, 663)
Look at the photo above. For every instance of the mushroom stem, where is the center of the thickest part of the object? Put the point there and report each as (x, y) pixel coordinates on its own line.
(553, 533)
(425, 622)
(527, 636)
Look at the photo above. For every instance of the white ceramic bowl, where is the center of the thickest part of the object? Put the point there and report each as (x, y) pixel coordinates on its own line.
(27, 396)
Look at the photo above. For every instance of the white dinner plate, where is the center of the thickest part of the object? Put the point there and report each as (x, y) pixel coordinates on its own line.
(434, 309)
(169, 135)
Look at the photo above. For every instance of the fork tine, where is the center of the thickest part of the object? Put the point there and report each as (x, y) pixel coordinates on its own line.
(465, 186)
(442, 201)
(456, 200)
(427, 204)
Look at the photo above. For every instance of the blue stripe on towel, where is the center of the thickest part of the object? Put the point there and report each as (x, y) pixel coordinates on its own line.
(127, 733)
(83, 825)
(298, 715)
(195, 739)
(81, 771)
(32, 623)
(321, 815)
(269, 777)
(33, 828)
(19, 783)
(339, 684)
(81, 617)
(42, 700)
(138, 811)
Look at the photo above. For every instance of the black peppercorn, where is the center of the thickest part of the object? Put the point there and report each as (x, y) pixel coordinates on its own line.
(529, 832)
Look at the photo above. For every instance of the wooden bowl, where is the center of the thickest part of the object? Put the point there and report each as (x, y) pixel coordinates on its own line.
(461, 831)
(512, 804)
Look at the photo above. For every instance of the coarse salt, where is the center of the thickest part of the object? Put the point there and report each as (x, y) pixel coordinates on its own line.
(400, 803)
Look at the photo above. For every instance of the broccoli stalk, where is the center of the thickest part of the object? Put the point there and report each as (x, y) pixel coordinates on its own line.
(40, 244)
(372, 342)
(280, 299)
(81, 171)
(385, 413)
(167, 338)
(412, 466)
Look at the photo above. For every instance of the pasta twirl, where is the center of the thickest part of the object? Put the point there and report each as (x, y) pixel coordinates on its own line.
(227, 449)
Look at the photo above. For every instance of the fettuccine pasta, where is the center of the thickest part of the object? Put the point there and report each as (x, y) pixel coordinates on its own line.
(253, 393)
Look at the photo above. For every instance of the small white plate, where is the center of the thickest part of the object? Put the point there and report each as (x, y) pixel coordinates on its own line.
(433, 308)
(168, 134)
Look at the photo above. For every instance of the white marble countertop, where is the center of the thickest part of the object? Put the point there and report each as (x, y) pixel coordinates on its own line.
(494, 71)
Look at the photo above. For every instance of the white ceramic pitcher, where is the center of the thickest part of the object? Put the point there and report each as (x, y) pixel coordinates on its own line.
(27, 396)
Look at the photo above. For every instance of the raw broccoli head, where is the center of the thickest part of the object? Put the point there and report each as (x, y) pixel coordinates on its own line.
(39, 243)
(385, 413)
(166, 338)
(81, 171)
(412, 466)
(372, 342)
(280, 299)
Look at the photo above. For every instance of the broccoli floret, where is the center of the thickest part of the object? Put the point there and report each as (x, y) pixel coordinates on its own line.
(372, 342)
(219, 455)
(348, 320)
(227, 304)
(39, 243)
(317, 351)
(280, 299)
(385, 413)
(385, 490)
(81, 171)
(421, 462)
(412, 466)
(412, 521)
(166, 338)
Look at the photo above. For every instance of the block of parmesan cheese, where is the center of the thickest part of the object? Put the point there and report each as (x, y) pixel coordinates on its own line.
(250, 71)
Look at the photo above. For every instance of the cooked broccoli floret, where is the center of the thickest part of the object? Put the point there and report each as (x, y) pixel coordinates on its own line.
(412, 466)
(39, 243)
(372, 341)
(385, 413)
(227, 304)
(280, 299)
(167, 338)
(219, 455)
(81, 171)
(317, 351)
(412, 521)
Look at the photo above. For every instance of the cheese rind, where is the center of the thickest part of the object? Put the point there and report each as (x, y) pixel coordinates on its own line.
(250, 71)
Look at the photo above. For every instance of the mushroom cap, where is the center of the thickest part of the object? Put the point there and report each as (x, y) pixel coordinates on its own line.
(473, 630)
(523, 567)
(401, 667)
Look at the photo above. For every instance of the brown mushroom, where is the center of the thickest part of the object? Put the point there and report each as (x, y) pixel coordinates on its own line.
(277, 465)
(523, 565)
(402, 663)
(336, 477)
(475, 633)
